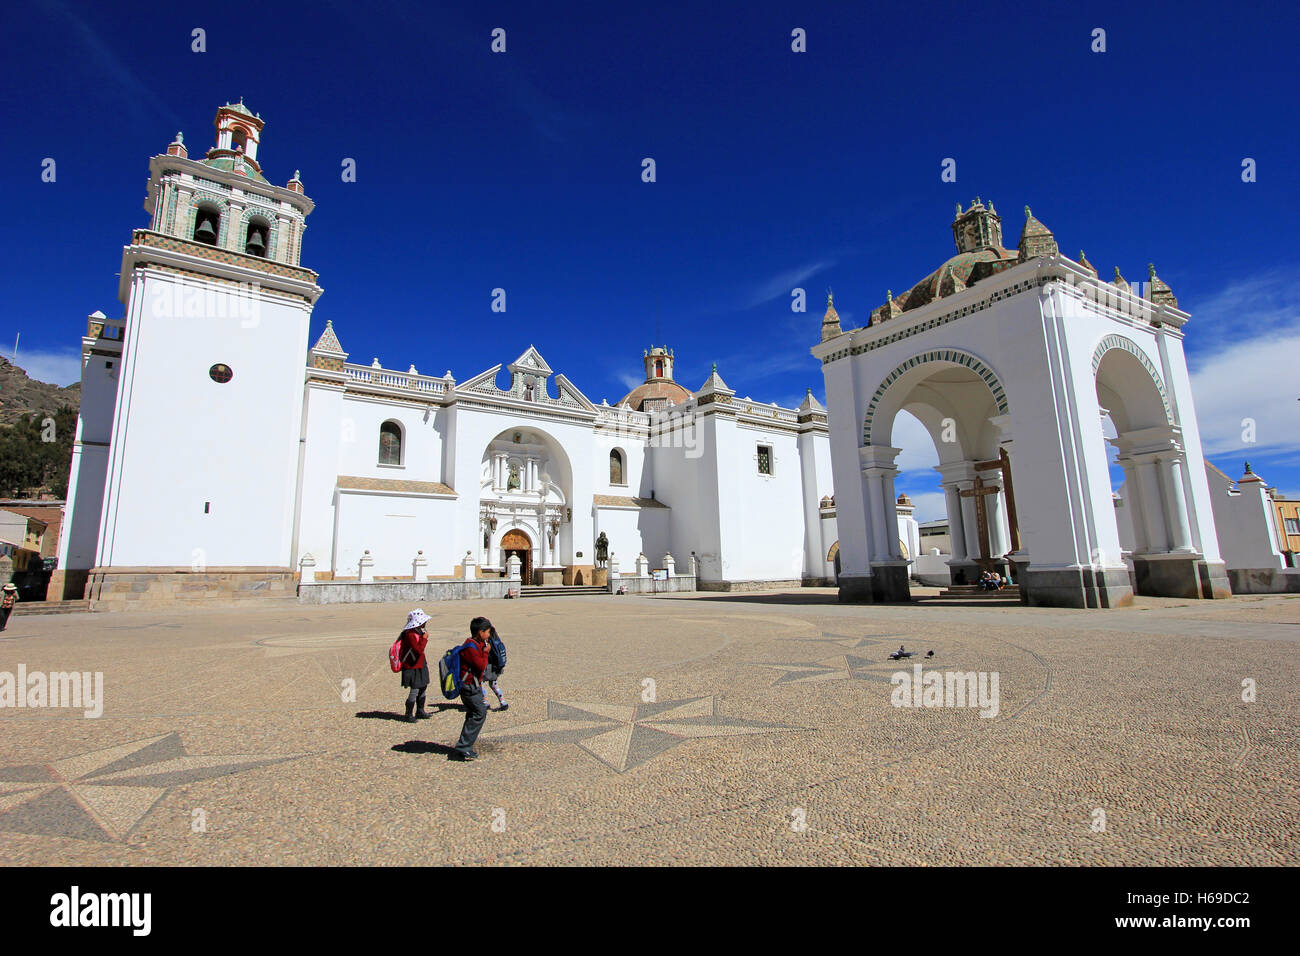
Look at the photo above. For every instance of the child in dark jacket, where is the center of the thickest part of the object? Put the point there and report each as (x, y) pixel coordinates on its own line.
(473, 662)
(415, 668)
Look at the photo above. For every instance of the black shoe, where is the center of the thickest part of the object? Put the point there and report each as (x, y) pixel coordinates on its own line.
(410, 718)
(462, 755)
(504, 706)
(473, 754)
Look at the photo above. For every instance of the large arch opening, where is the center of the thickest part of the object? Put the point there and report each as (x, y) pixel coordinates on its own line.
(942, 411)
(1148, 470)
(526, 493)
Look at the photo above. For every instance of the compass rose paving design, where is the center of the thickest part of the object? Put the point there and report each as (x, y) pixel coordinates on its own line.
(623, 736)
(103, 795)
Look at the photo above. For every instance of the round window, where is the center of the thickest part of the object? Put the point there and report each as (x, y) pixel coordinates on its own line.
(220, 373)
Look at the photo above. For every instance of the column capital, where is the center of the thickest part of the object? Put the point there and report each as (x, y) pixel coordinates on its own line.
(878, 456)
(953, 472)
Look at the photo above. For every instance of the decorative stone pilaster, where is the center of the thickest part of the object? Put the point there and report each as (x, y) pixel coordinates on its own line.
(366, 568)
(307, 570)
(467, 567)
(513, 565)
(670, 564)
(642, 566)
(419, 568)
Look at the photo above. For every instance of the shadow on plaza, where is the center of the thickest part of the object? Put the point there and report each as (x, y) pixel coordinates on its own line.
(401, 718)
(423, 747)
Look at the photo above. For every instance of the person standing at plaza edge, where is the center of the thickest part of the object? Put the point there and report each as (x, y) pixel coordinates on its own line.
(492, 675)
(415, 669)
(473, 662)
(8, 597)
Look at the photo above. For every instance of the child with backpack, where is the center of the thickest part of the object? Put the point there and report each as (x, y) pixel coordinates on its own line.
(472, 658)
(496, 664)
(415, 669)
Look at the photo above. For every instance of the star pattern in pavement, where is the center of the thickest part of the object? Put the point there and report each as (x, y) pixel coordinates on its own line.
(623, 736)
(104, 794)
(847, 667)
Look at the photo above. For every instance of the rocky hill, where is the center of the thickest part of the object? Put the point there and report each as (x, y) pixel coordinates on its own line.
(20, 395)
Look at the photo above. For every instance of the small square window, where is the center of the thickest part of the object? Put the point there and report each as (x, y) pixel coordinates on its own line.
(764, 459)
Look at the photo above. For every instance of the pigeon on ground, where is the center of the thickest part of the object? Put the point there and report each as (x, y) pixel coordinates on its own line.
(929, 653)
(901, 654)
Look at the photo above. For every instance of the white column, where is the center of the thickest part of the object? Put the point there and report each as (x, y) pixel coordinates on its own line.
(876, 517)
(970, 524)
(891, 514)
(995, 511)
(1132, 501)
(956, 523)
(493, 559)
(1180, 531)
(1152, 510)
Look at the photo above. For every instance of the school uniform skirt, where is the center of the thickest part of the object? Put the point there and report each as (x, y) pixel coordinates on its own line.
(416, 678)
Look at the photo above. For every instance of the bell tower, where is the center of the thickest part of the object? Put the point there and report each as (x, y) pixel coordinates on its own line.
(199, 472)
(658, 364)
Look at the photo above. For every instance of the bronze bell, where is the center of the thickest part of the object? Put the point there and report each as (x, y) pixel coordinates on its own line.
(206, 232)
(256, 245)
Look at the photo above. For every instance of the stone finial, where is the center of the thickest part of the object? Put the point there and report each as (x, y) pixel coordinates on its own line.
(959, 210)
(1158, 290)
(1036, 239)
(1083, 261)
(831, 321)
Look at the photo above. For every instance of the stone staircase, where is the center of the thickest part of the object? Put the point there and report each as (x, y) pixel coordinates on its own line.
(575, 590)
(973, 591)
(51, 607)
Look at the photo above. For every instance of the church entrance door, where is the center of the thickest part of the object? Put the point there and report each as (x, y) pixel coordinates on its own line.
(516, 542)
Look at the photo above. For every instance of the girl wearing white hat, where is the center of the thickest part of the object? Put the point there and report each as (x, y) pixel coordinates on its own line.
(7, 599)
(415, 669)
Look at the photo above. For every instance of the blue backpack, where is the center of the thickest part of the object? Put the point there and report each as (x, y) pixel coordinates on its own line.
(496, 654)
(449, 673)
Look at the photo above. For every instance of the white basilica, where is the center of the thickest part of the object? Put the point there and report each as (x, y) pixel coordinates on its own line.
(218, 448)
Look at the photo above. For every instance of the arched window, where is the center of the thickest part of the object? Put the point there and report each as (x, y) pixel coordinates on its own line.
(207, 225)
(616, 468)
(390, 443)
(256, 239)
(239, 139)
(659, 368)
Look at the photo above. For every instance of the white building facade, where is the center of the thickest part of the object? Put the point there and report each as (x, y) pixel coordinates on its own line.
(217, 452)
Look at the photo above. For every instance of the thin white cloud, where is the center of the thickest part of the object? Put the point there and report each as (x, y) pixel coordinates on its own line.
(785, 283)
(54, 367)
(1249, 390)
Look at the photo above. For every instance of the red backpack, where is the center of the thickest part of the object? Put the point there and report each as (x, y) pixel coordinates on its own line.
(395, 655)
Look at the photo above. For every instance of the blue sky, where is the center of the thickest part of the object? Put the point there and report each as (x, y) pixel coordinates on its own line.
(522, 171)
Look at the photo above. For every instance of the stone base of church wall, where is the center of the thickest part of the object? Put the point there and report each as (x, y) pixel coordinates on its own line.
(1075, 587)
(1264, 580)
(891, 583)
(1188, 576)
(648, 585)
(136, 589)
(578, 574)
(380, 592)
(811, 581)
(855, 589)
(779, 585)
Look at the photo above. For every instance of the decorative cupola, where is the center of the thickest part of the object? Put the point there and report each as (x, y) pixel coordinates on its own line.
(1036, 239)
(658, 363)
(979, 227)
(1158, 290)
(830, 322)
(1120, 282)
(811, 410)
(1249, 476)
(327, 353)
(1083, 261)
(177, 147)
(295, 184)
(238, 130)
(714, 390)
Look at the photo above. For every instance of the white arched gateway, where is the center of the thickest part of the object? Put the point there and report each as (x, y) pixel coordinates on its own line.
(1018, 362)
